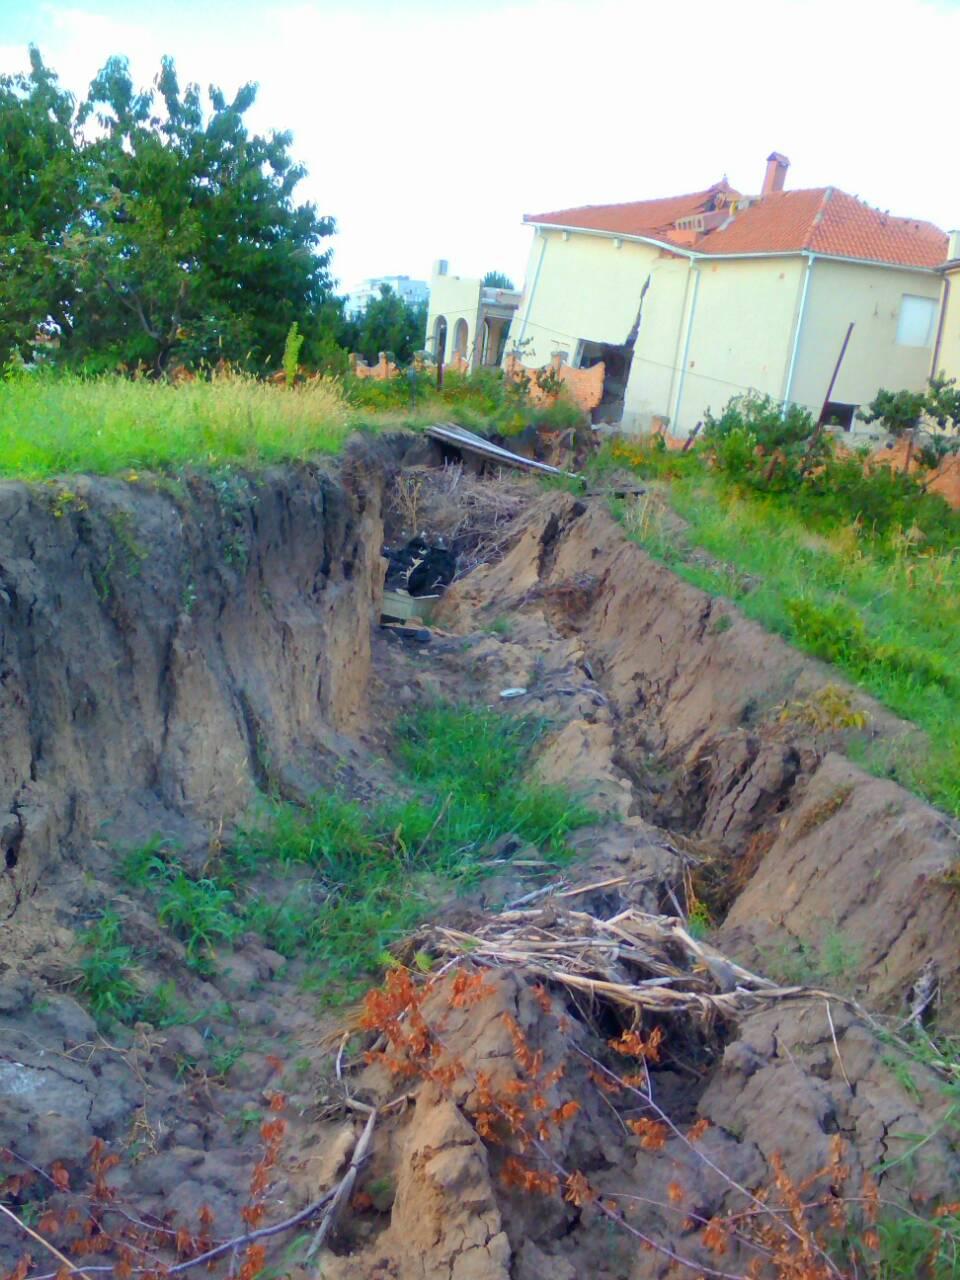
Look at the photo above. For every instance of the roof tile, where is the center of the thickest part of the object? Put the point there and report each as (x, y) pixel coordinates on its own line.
(820, 220)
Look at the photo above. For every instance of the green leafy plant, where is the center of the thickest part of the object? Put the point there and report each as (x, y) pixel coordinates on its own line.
(106, 971)
(291, 354)
(198, 912)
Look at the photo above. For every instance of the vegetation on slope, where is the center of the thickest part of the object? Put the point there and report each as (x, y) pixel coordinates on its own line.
(337, 883)
(859, 568)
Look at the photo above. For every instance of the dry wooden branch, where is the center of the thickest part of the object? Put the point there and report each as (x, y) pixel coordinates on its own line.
(50, 1248)
(343, 1189)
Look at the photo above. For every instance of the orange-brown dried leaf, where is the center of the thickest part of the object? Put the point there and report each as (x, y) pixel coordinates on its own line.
(577, 1190)
(715, 1237)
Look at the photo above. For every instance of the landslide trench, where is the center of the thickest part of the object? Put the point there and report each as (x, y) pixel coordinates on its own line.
(170, 650)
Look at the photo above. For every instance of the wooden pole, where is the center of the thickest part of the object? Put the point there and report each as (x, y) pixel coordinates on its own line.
(833, 381)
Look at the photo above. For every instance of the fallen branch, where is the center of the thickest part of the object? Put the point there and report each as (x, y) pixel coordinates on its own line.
(201, 1259)
(342, 1191)
(50, 1248)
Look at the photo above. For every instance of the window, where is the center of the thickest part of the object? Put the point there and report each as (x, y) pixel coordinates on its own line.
(837, 414)
(917, 319)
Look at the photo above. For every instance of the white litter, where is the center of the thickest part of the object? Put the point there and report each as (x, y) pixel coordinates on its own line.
(512, 693)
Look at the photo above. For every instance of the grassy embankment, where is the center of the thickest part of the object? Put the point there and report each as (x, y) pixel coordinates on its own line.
(55, 424)
(883, 606)
(334, 885)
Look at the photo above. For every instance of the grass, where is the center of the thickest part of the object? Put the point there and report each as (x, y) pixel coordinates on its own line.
(51, 425)
(368, 875)
(108, 980)
(883, 610)
(337, 883)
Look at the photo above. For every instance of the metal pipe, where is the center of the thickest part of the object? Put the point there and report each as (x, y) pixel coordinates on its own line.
(533, 287)
(938, 342)
(788, 385)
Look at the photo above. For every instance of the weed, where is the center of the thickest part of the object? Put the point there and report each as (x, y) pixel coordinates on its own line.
(828, 710)
(806, 963)
(198, 912)
(106, 971)
(500, 627)
(221, 1063)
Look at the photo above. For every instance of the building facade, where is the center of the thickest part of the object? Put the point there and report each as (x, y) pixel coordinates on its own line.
(692, 299)
(468, 319)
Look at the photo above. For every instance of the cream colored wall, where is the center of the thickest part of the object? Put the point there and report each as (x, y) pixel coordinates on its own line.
(454, 297)
(586, 288)
(870, 296)
(742, 334)
(656, 357)
(948, 359)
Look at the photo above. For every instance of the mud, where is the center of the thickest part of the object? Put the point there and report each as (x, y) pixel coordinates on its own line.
(168, 651)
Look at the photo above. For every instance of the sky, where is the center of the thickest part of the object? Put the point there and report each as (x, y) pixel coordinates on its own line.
(430, 127)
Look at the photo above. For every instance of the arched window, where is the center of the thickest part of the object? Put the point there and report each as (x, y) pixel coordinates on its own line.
(460, 334)
(440, 338)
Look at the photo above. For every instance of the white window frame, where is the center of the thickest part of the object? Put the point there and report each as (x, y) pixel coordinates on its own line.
(917, 320)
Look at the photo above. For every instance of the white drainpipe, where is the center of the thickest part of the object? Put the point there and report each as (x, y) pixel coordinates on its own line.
(675, 419)
(533, 288)
(788, 388)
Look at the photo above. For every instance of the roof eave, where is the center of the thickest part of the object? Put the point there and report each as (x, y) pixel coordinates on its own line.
(614, 235)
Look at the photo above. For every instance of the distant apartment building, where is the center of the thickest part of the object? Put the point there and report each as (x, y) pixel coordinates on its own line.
(414, 292)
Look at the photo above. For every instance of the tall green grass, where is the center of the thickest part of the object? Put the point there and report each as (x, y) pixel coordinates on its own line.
(884, 611)
(53, 424)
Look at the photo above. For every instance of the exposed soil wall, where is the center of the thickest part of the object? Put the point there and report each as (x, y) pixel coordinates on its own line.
(696, 687)
(165, 648)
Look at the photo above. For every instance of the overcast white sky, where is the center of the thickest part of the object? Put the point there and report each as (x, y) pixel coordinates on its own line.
(429, 127)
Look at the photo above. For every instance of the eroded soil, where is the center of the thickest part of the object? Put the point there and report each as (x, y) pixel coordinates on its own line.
(664, 720)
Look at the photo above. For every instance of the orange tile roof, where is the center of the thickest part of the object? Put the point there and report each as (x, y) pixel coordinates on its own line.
(821, 220)
(653, 218)
(825, 220)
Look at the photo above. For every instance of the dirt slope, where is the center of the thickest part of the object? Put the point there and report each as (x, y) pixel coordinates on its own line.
(164, 648)
(696, 690)
(164, 653)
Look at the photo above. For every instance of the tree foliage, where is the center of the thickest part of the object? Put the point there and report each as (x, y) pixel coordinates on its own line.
(143, 228)
(386, 323)
(498, 280)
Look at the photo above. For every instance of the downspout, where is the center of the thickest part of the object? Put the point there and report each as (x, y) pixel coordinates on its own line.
(533, 287)
(938, 342)
(788, 387)
(675, 420)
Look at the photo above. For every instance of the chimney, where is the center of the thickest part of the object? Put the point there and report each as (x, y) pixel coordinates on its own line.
(440, 267)
(774, 178)
(953, 245)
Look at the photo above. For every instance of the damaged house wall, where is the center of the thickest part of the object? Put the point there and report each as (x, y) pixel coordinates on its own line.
(585, 288)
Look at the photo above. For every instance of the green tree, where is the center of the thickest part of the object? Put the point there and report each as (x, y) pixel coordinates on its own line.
(179, 238)
(497, 280)
(39, 199)
(387, 323)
